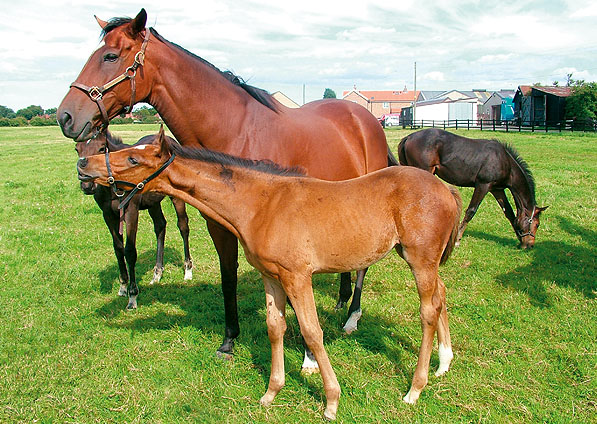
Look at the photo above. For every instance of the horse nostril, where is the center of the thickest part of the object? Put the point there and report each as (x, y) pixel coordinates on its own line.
(65, 119)
(82, 163)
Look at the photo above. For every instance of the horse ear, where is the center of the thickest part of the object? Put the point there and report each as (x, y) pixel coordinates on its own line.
(538, 210)
(138, 24)
(101, 23)
(163, 142)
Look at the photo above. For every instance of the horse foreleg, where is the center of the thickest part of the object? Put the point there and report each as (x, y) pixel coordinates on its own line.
(159, 226)
(354, 312)
(183, 227)
(345, 290)
(275, 300)
(227, 247)
(443, 333)
(500, 196)
(300, 292)
(112, 221)
(130, 252)
(478, 194)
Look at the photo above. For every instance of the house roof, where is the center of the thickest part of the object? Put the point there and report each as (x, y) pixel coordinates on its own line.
(385, 96)
(285, 100)
(556, 91)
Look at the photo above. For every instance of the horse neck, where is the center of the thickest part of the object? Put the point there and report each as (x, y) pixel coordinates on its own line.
(193, 98)
(520, 188)
(222, 193)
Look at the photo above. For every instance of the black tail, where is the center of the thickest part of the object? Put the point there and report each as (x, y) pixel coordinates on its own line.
(401, 152)
(391, 158)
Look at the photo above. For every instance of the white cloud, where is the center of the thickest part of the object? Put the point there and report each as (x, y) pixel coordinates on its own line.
(434, 76)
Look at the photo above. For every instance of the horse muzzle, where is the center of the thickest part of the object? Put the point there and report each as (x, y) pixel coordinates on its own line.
(82, 173)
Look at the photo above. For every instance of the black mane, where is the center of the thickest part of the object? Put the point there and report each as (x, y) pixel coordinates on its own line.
(223, 159)
(258, 94)
(523, 166)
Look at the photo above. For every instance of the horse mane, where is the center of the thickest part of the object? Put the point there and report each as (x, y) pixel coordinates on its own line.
(524, 167)
(258, 94)
(210, 156)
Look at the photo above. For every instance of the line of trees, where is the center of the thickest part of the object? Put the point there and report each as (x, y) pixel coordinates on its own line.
(37, 116)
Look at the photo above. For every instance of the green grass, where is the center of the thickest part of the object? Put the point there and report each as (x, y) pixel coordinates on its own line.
(524, 323)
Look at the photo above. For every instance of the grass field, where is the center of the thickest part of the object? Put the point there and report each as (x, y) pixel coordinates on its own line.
(523, 323)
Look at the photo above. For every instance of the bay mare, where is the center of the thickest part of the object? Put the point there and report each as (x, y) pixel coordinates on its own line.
(487, 165)
(108, 202)
(204, 107)
(292, 227)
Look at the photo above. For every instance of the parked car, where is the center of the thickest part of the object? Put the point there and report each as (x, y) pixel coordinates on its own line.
(392, 120)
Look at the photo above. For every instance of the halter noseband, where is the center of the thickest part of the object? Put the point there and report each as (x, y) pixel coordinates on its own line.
(120, 192)
(96, 93)
(530, 221)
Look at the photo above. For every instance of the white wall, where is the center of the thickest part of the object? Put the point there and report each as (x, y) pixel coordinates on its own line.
(435, 112)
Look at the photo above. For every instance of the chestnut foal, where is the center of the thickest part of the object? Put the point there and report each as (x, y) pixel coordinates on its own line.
(292, 227)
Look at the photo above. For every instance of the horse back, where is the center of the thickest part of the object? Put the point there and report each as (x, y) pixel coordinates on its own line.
(455, 159)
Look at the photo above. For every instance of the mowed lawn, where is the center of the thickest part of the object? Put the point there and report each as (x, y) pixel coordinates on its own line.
(523, 323)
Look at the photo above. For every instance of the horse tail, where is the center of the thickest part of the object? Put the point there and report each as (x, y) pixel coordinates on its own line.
(452, 241)
(402, 152)
(392, 161)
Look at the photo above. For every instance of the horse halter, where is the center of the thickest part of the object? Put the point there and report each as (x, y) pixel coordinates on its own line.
(96, 93)
(120, 192)
(530, 222)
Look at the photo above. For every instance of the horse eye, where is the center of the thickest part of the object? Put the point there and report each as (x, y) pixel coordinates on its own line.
(102, 150)
(133, 161)
(110, 57)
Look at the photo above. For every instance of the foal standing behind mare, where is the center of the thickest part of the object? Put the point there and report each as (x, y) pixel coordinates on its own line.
(486, 165)
(108, 202)
(292, 227)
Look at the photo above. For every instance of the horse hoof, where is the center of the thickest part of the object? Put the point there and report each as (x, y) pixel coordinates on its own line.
(341, 304)
(351, 324)
(329, 415)
(123, 290)
(132, 303)
(188, 274)
(225, 356)
(411, 397)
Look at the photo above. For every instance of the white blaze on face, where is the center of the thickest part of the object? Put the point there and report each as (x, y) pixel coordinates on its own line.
(141, 147)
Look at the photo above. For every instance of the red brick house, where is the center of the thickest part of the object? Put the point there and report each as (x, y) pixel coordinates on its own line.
(382, 102)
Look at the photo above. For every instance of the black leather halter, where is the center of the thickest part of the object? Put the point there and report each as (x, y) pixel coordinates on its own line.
(121, 192)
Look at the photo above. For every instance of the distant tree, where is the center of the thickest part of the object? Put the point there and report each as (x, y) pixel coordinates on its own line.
(50, 111)
(569, 80)
(30, 111)
(329, 94)
(6, 112)
(146, 114)
(582, 103)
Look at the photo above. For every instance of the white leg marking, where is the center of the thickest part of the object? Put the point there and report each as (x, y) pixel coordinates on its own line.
(188, 274)
(445, 357)
(411, 397)
(351, 324)
(310, 366)
(157, 275)
(122, 291)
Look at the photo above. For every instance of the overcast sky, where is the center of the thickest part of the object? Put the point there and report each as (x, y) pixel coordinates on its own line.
(280, 45)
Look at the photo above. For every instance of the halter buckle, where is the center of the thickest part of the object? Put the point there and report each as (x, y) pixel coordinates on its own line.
(95, 93)
(110, 180)
(140, 57)
(131, 71)
(141, 185)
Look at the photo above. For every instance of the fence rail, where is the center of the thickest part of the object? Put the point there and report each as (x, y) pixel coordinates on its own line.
(499, 125)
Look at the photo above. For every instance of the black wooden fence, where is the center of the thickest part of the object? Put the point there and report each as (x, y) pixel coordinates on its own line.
(499, 125)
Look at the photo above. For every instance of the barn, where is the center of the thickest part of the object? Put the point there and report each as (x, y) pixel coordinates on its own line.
(539, 104)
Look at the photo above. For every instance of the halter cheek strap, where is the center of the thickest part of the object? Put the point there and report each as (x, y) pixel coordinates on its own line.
(96, 93)
(530, 221)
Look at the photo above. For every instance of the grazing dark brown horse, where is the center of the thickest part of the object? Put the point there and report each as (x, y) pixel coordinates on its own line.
(204, 107)
(486, 165)
(292, 227)
(108, 202)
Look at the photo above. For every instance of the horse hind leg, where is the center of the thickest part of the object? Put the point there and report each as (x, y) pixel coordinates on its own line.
(354, 312)
(345, 290)
(443, 333)
(159, 226)
(426, 277)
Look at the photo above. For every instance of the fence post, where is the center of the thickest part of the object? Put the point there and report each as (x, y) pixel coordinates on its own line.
(532, 125)
(506, 126)
(457, 124)
(546, 125)
(444, 124)
(493, 122)
(481, 124)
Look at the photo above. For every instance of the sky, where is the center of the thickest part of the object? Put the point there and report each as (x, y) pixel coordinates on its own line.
(302, 48)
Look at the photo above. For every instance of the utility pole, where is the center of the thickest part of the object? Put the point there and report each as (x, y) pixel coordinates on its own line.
(415, 102)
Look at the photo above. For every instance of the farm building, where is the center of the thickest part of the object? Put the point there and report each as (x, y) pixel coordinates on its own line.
(499, 106)
(539, 104)
(285, 100)
(381, 103)
(448, 105)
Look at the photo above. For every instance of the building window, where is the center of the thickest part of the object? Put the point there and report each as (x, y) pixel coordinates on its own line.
(386, 105)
